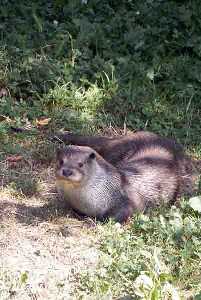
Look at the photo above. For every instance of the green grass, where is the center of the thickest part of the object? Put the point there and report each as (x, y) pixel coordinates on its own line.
(154, 257)
(101, 62)
(87, 66)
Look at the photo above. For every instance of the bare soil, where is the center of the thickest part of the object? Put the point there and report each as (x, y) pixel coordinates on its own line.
(43, 246)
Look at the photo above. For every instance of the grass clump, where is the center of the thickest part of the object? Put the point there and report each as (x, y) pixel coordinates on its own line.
(156, 257)
(130, 61)
(12, 284)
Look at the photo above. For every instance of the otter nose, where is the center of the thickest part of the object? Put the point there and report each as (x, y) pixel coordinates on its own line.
(67, 172)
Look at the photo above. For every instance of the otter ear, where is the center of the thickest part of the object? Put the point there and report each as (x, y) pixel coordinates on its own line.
(92, 155)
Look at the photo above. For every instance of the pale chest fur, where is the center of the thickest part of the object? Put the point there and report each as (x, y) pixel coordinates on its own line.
(93, 197)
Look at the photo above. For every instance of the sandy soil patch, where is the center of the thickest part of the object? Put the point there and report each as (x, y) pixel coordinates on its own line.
(42, 246)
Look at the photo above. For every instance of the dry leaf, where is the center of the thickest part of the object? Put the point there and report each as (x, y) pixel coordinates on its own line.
(14, 158)
(43, 121)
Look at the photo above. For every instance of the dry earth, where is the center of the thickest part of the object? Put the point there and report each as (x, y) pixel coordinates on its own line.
(43, 247)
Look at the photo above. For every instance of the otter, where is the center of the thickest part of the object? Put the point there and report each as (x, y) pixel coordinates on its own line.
(116, 176)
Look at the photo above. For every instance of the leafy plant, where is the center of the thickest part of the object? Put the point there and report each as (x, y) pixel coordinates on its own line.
(143, 59)
(155, 258)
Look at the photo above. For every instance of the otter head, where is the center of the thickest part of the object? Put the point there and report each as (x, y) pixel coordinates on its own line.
(74, 164)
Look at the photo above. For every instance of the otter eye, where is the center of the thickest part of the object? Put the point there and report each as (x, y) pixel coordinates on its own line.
(61, 162)
(92, 155)
(80, 165)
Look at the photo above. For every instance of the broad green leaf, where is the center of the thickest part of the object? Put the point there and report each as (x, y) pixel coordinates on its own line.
(155, 294)
(24, 277)
(195, 203)
(150, 74)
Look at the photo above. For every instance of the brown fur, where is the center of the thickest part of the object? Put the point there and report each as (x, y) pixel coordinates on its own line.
(145, 169)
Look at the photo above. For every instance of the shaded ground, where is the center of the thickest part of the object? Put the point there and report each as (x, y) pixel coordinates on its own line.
(42, 247)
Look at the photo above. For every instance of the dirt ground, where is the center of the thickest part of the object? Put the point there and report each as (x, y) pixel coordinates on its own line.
(43, 247)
